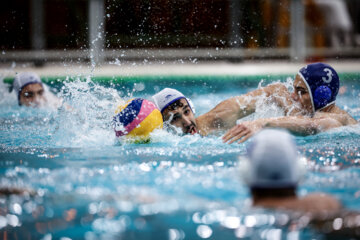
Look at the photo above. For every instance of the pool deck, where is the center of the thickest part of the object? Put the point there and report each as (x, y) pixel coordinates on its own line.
(175, 68)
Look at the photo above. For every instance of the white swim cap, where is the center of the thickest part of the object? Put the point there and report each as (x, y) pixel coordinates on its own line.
(23, 79)
(272, 161)
(167, 96)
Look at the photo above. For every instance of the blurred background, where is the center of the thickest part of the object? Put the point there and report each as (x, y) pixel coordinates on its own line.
(43, 31)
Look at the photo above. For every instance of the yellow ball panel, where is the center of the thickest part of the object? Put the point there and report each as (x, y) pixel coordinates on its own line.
(151, 122)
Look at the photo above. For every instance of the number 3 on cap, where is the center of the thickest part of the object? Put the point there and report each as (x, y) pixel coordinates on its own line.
(328, 74)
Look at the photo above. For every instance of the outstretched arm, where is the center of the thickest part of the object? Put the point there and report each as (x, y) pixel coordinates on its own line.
(303, 125)
(226, 113)
(297, 125)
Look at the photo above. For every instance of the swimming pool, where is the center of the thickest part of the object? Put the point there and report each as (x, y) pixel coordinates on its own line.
(83, 184)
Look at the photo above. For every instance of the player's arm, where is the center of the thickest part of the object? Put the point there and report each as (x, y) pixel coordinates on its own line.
(227, 112)
(303, 125)
(297, 125)
(343, 117)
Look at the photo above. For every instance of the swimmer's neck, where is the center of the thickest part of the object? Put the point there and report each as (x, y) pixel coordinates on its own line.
(268, 197)
(273, 202)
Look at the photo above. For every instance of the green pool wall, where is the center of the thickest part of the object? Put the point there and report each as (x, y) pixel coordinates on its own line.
(180, 78)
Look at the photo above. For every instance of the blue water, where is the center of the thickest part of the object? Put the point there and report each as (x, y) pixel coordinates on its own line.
(83, 184)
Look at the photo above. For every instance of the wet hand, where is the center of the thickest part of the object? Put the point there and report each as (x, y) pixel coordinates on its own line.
(241, 132)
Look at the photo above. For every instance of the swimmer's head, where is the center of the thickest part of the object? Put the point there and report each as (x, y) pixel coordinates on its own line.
(322, 84)
(176, 109)
(272, 161)
(29, 89)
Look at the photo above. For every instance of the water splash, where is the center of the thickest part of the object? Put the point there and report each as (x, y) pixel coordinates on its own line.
(89, 121)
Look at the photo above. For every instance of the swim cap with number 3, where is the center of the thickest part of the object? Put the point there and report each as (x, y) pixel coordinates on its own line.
(323, 83)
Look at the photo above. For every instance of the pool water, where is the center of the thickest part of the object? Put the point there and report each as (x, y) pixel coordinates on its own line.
(82, 183)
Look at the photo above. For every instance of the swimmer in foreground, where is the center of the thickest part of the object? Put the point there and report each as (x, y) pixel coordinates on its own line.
(315, 89)
(308, 110)
(272, 169)
(31, 92)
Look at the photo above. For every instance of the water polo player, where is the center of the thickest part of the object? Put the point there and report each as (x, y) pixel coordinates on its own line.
(315, 89)
(29, 89)
(136, 119)
(31, 92)
(308, 110)
(272, 170)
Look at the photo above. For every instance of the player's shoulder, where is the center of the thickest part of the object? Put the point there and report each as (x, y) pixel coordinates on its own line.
(344, 117)
(321, 201)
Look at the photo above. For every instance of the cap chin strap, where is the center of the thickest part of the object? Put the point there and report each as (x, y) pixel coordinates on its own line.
(191, 105)
(333, 102)
(309, 90)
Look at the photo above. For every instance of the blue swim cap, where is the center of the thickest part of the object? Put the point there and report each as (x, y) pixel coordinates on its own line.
(322, 82)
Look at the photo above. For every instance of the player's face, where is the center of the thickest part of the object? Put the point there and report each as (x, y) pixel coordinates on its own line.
(181, 116)
(301, 94)
(32, 95)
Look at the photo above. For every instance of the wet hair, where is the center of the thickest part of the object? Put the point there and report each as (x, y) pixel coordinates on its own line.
(175, 105)
(260, 193)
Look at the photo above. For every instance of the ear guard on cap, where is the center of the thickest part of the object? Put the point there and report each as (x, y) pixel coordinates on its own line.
(322, 96)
